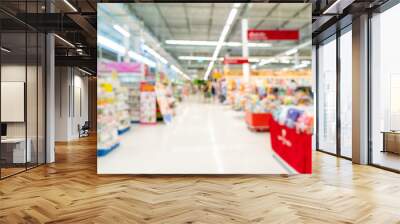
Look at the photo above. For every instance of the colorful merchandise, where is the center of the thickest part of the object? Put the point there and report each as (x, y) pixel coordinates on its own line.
(122, 109)
(107, 125)
(166, 101)
(291, 136)
(147, 104)
(298, 117)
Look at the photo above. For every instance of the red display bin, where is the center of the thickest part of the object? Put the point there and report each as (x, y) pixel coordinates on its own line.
(293, 147)
(258, 121)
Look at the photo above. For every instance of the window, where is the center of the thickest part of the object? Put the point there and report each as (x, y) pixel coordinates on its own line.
(327, 96)
(346, 93)
(385, 89)
(22, 66)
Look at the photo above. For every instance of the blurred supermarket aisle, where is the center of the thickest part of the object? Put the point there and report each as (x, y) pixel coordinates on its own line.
(204, 138)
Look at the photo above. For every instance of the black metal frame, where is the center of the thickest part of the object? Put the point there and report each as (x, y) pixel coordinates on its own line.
(44, 79)
(338, 99)
(369, 90)
(316, 97)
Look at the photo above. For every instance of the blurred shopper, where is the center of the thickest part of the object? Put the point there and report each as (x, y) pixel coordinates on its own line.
(214, 90)
(206, 92)
(223, 91)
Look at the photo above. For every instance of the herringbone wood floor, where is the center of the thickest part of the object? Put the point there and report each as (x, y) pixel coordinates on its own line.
(70, 191)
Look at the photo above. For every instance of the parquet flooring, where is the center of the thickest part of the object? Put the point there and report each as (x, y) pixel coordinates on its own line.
(10, 171)
(70, 191)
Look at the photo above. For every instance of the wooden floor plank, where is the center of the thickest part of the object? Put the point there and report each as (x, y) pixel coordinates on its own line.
(70, 191)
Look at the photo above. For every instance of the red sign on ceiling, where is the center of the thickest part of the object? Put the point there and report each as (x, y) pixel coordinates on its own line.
(236, 60)
(273, 34)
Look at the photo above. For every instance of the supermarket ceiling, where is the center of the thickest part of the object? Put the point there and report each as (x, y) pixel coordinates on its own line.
(169, 22)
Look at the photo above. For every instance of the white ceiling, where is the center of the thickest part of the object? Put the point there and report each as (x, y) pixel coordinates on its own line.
(205, 21)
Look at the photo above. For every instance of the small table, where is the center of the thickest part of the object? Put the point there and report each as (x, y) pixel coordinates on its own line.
(391, 141)
(17, 151)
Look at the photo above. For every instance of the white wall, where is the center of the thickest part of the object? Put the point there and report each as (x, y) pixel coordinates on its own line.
(12, 73)
(70, 82)
(61, 103)
(79, 117)
(34, 126)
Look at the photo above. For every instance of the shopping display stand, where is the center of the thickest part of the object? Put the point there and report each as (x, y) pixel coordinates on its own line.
(258, 121)
(292, 146)
(107, 125)
(124, 123)
(122, 131)
(105, 151)
(148, 107)
(165, 110)
(130, 76)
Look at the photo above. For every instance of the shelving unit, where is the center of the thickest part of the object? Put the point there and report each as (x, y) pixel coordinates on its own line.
(122, 109)
(165, 101)
(107, 125)
(147, 104)
(133, 101)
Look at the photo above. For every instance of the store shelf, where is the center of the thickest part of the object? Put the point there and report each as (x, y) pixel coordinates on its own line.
(104, 151)
(107, 126)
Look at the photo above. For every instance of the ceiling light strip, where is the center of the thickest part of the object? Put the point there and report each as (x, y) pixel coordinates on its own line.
(140, 58)
(176, 69)
(155, 54)
(337, 7)
(121, 30)
(300, 66)
(165, 61)
(70, 5)
(224, 33)
(111, 45)
(285, 53)
(195, 58)
(231, 16)
(84, 71)
(292, 51)
(64, 40)
(117, 48)
(5, 50)
(191, 42)
(205, 58)
(213, 43)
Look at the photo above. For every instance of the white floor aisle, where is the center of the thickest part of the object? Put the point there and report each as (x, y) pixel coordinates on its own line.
(203, 139)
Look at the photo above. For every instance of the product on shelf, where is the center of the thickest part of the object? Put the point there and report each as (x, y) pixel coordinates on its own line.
(107, 125)
(291, 134)
(147, 104)
(130, 76)
(267, 95)
(265, 105)
(239, 101)
(122, 109)
(133, 101)
(283, 87)
(166, 101)
(299, 117)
